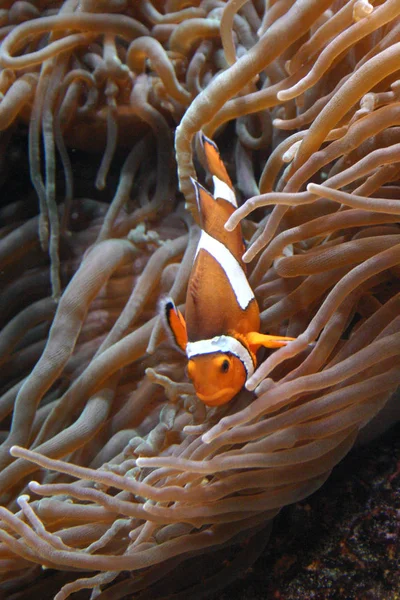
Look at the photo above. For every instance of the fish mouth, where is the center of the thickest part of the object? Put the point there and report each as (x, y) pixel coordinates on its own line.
(217, 399)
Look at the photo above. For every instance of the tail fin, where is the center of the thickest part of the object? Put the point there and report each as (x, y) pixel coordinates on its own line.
(215, 210)
(223, 187)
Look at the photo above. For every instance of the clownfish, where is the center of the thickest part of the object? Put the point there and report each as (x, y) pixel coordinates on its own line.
(220, 334)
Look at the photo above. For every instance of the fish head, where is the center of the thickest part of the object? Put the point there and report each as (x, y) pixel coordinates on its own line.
(217, 377)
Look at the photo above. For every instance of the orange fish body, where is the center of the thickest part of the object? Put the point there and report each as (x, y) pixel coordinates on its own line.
(220, 333)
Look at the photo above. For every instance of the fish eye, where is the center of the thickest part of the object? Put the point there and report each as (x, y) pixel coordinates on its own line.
(225, 366)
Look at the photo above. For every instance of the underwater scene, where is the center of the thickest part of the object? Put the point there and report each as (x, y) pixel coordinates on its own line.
(199, 299)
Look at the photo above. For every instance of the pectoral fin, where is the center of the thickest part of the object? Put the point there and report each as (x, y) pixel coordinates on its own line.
(256, 340)
(176, 324)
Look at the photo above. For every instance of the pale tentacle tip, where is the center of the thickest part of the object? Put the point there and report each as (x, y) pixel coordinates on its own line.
(231, 224)
(277, 122)
(265, 386)
(14, 451)
(207, 437)
(282, 95)
(23, 498)
(34, 486)
(250, 385)
(313, 187)
(213, 433)
(249, 255)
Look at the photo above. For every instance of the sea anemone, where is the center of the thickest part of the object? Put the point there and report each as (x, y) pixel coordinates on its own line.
(132, 475)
